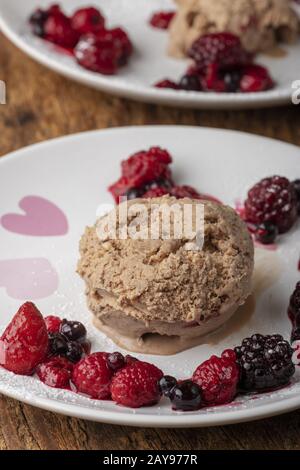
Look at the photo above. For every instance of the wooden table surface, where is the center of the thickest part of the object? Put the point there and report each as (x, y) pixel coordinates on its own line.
(42, 105)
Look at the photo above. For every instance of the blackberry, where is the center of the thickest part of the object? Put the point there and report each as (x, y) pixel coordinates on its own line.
(224, 49)
(37, 21)
(166, 385)
(296, 185)
(294, 312)
(266, 233)
(295, 336)
(265, 363)
(272, 200)
(186, 396)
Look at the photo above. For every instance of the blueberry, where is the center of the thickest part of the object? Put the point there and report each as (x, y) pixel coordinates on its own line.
(186, 396)
(37, 21)
(266, 233)
(134, 193)
(190, 83)
(73, 330)
(74, 351)
(166, 384)
(232, 81)
(115, 361)
(57, 344)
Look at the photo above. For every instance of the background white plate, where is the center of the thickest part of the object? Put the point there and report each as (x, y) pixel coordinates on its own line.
(73, 172)
(149, 63)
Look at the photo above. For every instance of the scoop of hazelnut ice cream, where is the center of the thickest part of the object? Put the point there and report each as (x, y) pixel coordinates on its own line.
(260, 24)
(157, 295)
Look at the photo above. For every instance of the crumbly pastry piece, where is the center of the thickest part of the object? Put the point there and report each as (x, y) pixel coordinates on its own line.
(135, 287)
(260, 24)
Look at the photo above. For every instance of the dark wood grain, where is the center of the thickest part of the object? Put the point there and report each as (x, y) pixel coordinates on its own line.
(42, 105)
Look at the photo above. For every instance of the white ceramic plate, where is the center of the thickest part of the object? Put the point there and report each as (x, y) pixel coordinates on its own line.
(150, 62)
(60, 184)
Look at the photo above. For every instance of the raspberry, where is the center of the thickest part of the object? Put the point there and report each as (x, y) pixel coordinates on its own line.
(265, 363)
(92, 376)
(255, 78)
(87, 20)
(218, 378)
(272, 200)
(136, 385)
(98, 53)
(213, 80)
(162, 19)
(156, 192)
(56, 372)
(58, 29)
(24, 343)
(121, 40)
(186, 396)
(140, 169)
(222, 49)
(166, 83)
(52, 323)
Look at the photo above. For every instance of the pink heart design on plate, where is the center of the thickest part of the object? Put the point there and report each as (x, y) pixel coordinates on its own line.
(42, 218)
(28, 278)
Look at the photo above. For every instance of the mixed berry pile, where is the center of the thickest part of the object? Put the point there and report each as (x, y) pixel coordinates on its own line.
(85, 35)
(221, 64)
(58, 352)
(271, 208)
(148, 174)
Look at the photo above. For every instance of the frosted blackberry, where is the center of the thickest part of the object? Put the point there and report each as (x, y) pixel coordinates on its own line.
(265, 363)
(296, 185)
(272, 200)
(294, 312)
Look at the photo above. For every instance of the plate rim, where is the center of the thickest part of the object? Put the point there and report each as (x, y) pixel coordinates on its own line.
(178, 420)
(141, 93)
(149, 127)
